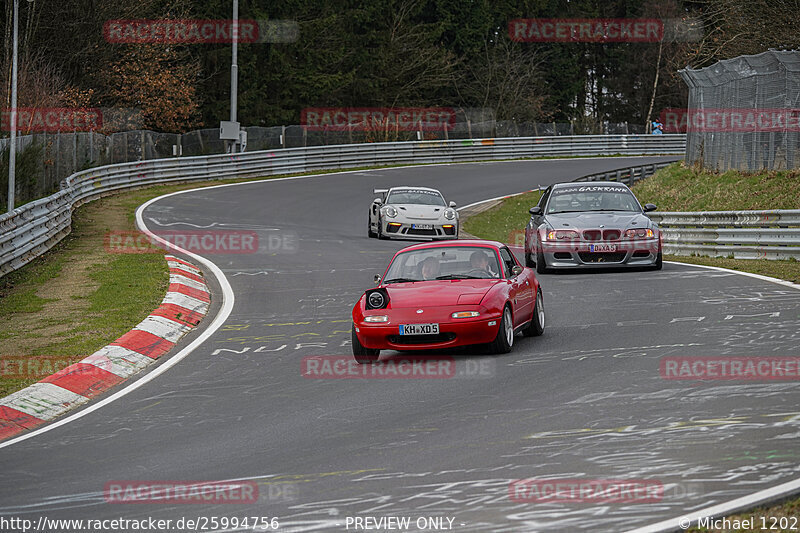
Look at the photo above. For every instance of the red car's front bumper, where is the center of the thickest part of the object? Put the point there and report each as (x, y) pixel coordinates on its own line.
(452, 332)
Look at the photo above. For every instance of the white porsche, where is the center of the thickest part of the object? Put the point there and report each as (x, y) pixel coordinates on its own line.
(412, 213)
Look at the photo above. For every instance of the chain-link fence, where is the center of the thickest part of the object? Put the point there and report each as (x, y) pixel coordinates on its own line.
(43, 159)
(744, 113)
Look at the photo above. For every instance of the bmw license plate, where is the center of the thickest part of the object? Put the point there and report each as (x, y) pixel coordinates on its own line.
(419, 329)
(602, 247)
(421, 226)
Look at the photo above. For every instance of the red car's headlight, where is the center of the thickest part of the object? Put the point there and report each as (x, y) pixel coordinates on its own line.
(376, 318)
(465, 314)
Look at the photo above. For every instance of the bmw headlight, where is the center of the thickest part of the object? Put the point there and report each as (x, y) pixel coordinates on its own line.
(450, 214)
(391, 212)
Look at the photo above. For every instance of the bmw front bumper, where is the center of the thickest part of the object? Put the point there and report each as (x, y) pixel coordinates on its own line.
(572, 254)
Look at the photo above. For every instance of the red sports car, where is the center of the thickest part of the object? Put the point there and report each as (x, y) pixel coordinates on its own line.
(446, 294)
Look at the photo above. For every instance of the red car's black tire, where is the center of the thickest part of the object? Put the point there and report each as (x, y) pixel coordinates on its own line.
(360, 354)
(504, 342)
(536, 326)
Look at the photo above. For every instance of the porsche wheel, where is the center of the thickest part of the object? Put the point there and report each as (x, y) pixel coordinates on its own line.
(360, 354)
(504, 340)
(536, 325)
(380, 230)
(370, 233)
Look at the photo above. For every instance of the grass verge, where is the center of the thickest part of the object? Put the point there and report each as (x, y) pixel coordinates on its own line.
(681, 188)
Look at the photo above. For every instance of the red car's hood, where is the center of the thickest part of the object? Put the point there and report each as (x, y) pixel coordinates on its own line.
(439, 292)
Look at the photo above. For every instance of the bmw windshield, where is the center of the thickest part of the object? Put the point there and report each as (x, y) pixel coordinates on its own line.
(585, 198)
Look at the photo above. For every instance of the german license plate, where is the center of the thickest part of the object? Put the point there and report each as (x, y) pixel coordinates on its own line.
(602, 247)
(421, 226)
(419, 329)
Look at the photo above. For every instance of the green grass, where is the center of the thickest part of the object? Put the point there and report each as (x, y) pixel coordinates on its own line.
(681, 188)
(503, 222)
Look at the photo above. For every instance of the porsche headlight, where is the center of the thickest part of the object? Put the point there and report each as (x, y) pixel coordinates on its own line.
(450, 214)
(391, 212)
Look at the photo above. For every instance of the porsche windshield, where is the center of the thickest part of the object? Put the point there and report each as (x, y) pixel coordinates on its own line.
(451, 262)
(592, 198)
(415, 196)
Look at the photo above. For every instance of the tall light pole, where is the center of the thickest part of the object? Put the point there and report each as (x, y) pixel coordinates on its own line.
(234, 65)
(12, 149)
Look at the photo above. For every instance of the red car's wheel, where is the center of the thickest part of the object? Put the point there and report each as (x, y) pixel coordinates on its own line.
(361, 354)
(536, 325)
(504, 340)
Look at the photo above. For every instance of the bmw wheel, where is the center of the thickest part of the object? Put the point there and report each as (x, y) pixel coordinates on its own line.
(541, 266)
(659, 261)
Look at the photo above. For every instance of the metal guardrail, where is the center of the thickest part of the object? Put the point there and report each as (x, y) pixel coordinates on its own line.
(773, 234)
(629, 176)
(34, 228)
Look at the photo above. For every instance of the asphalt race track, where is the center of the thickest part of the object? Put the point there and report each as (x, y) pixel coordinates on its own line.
(584, 401)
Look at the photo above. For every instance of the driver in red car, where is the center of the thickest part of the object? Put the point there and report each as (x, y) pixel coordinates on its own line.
(430, 268)
(480, 261)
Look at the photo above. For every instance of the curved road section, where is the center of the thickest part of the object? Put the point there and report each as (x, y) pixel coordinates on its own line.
(586, 401)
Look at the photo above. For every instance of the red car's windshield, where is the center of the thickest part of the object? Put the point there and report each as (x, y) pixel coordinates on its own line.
(450, 262)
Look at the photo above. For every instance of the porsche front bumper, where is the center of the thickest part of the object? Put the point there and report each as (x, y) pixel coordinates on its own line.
(402, 229)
